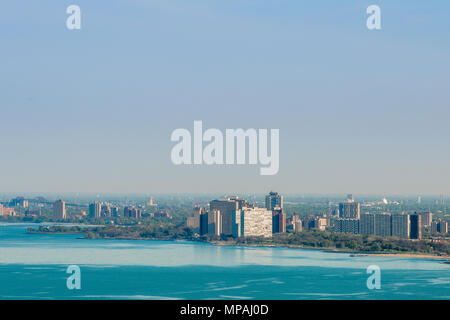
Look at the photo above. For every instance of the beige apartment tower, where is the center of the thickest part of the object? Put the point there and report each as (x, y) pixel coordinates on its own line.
(59, 210)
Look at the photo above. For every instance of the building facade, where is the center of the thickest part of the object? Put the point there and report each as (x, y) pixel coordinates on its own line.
(400, 226)
(59, 210)
(278, 220)
(416, 226)
(347, 226)
(349, 210)
(252, 222)
(95, 210)
(227, 207)
(273, 200)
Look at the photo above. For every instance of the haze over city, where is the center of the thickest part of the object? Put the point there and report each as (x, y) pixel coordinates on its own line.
(93, 110)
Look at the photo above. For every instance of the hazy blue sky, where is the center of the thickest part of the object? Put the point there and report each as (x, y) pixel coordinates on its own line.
(92, 110)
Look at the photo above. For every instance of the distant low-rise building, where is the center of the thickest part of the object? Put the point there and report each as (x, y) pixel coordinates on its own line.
(5, 211)
(162, 214)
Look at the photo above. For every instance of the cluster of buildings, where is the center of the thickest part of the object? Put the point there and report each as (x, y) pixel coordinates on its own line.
(308, 223)
(98, 210)
(439, 226)
(6, 211)
(384, 224)
(233, 216)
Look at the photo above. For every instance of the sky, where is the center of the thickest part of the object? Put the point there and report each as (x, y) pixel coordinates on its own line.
(92, 110)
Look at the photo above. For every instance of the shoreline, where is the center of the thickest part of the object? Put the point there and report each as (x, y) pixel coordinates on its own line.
(333, 250)
(352, 254)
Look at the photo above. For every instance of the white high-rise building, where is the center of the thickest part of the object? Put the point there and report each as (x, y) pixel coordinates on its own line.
(252, 222)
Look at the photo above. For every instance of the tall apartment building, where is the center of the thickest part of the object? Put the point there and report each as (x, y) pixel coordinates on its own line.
(115, 211)
(273, 200)
(416, 226)
(427, 218)
(298, 225)
(194, 222)
(367, 224)
(214, 222)
(203, 227)
(132, 212)
(383, 225)
(227, 207)
(95, 210)
(252, 222)
(278, 220)
(400, 225)
(349, 210)
(439, 226)
(105, 210)
(59, 210)
(347, 226)
(320, 223)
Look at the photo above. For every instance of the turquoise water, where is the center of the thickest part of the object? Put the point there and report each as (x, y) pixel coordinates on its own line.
(33, 266)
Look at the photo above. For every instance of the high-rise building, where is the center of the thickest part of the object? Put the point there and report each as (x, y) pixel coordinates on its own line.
(273, 200)
(416, 226)
(59, 210)
(298, 226)
(214, 222)
(203, 223)
(227, 207)
(347, 226)
(132, 212)
(95, 210)
(150, 203)
(427, 218)
(197, 212)
(439, 226)
(278, 220)
(349, 210)
(114, 211)
(19, 201)
(252, 222)
(194, 222)
(105, 211)
(367, 224)
(400, 225)
(383, 225)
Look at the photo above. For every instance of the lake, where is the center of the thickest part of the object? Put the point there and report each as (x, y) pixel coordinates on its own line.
(33, 266)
